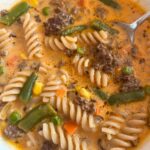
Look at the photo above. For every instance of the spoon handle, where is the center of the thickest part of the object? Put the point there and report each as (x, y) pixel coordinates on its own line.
(142, 18)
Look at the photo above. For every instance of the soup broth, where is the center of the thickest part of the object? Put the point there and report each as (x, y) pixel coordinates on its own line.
(109, 64)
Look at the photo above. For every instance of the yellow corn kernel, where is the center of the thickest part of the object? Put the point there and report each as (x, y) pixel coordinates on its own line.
(78, 88)
(37, 89)
(23, 56)
(84, 92)
(33, 3)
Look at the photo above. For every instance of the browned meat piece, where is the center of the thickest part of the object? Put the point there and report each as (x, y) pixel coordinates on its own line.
(3, 12)
(35, 66)
(22, 65)
(102, 143)
(48, 145)
(101, 12)
(37, 18)
(128, 83)
(13, 132)
(88, 106)
(3, 53)
(105, 59)
(55, 24)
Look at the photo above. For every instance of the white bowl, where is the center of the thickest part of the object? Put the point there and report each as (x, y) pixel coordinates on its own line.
(5, 4)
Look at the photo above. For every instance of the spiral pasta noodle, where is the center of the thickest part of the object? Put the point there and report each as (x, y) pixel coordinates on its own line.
(100, 78)
(33, 42)
(112, 126)
(130, 132)
(58, 136)
(82, 64)
(5, 40)
(12, 89)
(5, 111)
(44, 68)
(65, 42)
(54, 84)
(68, 108)
(50, 89)
(94, 37)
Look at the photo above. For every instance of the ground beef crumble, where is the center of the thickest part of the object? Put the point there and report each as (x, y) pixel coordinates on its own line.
(86, 105)
(101, 12)
(128, 83)
(12, 132)
(55, 24)
(48, 145)
(105, 58)
(3, 12)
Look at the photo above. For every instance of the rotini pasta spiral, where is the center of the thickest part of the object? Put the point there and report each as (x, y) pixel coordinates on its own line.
(67, 107)
(81, 63)
(94, 37)
(31, 37)
(130, 132)
(100, 78)
(112, 126)
(96, 76)
(5, 40)
(12, 89)
(65, 42)
(52, 86)
(44, 68)
(5, 111)
(58, 136)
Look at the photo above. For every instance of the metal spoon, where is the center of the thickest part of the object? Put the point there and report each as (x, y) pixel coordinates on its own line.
(131, 28)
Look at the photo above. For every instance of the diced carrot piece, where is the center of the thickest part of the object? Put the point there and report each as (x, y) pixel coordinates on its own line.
(81, 3)
(61, 92)
(70, 127)
(12, 60)
(98, 110)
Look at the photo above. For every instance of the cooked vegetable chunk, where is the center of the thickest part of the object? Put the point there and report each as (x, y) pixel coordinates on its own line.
(14, 118)
(73, 29)
(14, 13)
(26, 91)
(126, 97)
(35, 116)
(100, 94)
(99, 25)
(111, 3)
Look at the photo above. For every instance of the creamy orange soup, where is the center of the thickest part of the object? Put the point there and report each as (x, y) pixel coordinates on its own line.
(57, 64)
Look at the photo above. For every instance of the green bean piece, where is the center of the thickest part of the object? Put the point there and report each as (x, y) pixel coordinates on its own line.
(57, 120)
(26, 91)
(148, 119)
(14, 118)
(14, 13)
(46, 11)
(126, 97)
(111, 3)
(127, 70)
(101, 94)
(1, 70)
(147, 89)
(73, 29)
(99, 25)
(80, 50)
(35, 116)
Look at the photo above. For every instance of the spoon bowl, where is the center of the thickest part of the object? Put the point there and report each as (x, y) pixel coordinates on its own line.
(131, 28)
